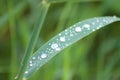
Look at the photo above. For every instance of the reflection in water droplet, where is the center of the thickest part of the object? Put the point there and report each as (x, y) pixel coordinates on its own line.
(43, 55)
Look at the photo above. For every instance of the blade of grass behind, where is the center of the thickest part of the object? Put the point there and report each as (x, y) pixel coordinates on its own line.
(107, 73)
(33, 39)
(105, 47)
(24, 31)
(13, 62)
(64, 17)
(16, 11)
(62, 23)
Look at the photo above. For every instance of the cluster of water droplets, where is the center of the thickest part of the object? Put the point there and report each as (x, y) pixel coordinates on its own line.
(65, 38)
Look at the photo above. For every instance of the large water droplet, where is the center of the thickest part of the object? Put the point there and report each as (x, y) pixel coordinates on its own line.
(62, 39)
(78, 29)
(43, 55)
(54, 46)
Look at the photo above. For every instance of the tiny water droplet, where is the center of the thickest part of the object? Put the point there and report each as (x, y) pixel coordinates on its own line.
(93, 23)
(86, 25)
(31, 64)
(71, 34)
(59, 34)
(93, 30)
(43, 55)
(26, 72)
(114, 16)
(33, 58)
(58, 49)
(97, 20)
(39, 58)
(30, 61)
(98, 27)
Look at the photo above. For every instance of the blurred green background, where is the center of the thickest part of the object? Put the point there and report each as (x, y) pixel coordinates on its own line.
(96, 57)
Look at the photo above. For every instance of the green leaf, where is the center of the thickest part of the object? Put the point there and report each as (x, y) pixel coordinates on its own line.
(65, 39)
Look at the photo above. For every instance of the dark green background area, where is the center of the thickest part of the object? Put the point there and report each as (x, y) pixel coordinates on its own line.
(95, 57)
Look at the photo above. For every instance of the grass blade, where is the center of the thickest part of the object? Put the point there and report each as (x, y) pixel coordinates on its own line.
(33, 40)
(13, 62)
(65, 39)
(16, 11)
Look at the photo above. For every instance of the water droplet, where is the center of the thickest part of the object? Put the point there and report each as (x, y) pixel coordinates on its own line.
(54, 46)
(59, 34)
(33, 58)
(97, 20)
(62, 39)
(93, 30)
(78, 29)
(43, 55)
(98, 27)
(26, 72)
(58, 49)
(30, 61)
(93, 23)
(31, 64)
(71, 34)
(86, 26)
(114, 17)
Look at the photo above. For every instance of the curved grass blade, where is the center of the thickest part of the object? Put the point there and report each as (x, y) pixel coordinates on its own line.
(65, 39)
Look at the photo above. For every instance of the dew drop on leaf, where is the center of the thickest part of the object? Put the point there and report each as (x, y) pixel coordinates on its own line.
(26, 72)
(86, 25)
(58, 49)
(43, 55)
(33, 58)
(30, 61)
(78, 29)
(62, 39)
(54, 45)
(31, 64)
